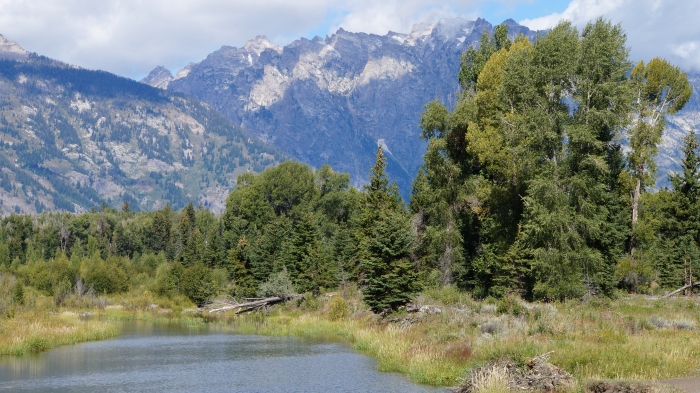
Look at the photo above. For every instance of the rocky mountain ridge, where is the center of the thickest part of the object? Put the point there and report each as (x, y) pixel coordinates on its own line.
(334, 99)
(72, 138)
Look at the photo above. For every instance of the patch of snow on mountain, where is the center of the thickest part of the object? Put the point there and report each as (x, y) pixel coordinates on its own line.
(329, 52)
(401, 38)
(381, 142)
(29, 110)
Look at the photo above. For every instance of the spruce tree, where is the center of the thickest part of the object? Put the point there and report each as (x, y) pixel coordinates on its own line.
(681, 266)
(159, 234)
(214, 252)
(388, 278)
(239, 270)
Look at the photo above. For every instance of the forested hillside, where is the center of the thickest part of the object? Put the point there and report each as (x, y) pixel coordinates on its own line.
(71, 138)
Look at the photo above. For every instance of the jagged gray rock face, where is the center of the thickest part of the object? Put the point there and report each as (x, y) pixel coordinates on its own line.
(10, 50)
(160, 77)
(330, 100)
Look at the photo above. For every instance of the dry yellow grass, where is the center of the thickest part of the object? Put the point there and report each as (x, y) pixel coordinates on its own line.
(632, 338)
(37, 332)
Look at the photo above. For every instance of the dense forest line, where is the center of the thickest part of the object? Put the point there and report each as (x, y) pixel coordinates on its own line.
(538, 183)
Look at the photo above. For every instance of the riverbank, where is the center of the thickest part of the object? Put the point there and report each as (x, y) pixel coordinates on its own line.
(631, 338)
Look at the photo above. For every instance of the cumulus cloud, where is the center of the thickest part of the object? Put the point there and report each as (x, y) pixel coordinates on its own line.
(129, 37)
(664, 28)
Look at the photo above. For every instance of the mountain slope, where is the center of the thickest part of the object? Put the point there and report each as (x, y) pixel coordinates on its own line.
(71, 138)
(333, 100)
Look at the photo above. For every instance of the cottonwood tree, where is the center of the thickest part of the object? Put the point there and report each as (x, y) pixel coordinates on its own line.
(659, 89)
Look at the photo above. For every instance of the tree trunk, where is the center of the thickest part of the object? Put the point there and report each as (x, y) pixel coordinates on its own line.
(635, 201)
(682, 289)
(447, 257)
(254, 305)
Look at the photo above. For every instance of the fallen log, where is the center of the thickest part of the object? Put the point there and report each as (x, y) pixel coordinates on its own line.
(254, 305)
(683, 288)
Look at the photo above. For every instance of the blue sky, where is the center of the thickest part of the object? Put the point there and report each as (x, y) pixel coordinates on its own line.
(131, 37)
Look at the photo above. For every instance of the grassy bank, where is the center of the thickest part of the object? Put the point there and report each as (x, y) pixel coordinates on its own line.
(632, 338)
(33, 332)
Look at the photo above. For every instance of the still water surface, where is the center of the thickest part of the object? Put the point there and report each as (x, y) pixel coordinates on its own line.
(156, 358)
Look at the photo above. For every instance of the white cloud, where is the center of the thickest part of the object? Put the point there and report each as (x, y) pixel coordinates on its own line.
(664, 28)
(129, 37)
(685, 50)
(379, 17)
(577, 11)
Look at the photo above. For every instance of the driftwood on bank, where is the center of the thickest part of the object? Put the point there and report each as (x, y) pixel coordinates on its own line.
(256, 304)
(683, 288)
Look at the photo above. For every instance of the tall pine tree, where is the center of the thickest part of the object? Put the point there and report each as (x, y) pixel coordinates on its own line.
(388, 278)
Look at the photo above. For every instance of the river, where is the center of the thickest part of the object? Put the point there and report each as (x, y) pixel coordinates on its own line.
(148, 357)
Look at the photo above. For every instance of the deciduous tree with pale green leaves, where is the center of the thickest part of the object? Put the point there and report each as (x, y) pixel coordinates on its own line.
(659, 89)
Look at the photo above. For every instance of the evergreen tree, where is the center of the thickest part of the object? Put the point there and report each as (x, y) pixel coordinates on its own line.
(213, 254)
(387, 273)
(301, 251)
(388, 277)
(684, 219)
(345, 255)
(239, 270)
(159, 233)
(266, 254)
(197, 284)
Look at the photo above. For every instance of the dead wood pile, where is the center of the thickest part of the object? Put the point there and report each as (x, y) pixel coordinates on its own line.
(537, 375)
(254, 304)
(629, 387)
